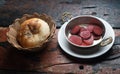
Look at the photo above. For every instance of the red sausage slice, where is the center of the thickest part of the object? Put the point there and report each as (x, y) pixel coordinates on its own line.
(84, 44)
(75, 29)
(85, 34)
(97, 30)
(90, 27)
(75, 39)
(89, 41)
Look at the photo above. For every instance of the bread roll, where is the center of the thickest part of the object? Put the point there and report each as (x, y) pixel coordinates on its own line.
(33, 32)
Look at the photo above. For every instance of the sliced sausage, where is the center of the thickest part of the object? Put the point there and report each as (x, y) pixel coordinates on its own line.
(75, 29)
(85, 34)
(97, 30)
(89, 41)
(75, 39)
(84, 44)
(90, 27)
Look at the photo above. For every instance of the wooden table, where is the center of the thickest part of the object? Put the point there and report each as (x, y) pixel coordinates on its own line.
(53, 59)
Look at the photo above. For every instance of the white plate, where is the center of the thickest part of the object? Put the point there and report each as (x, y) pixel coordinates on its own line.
(81, 52)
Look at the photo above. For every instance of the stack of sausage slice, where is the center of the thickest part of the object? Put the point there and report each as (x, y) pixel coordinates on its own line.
(85, 35)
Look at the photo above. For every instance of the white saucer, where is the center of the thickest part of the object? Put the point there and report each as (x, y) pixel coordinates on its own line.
(89, 52)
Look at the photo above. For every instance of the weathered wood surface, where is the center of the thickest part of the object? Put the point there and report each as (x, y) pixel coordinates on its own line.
(106, 9)
(53, 59)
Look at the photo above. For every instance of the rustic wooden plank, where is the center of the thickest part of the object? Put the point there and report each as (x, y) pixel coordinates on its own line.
(51, 59)
(70, 68)
(11, 58)
(108, 9)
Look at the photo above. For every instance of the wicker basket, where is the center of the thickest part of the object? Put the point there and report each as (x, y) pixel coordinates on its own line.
(14, 28)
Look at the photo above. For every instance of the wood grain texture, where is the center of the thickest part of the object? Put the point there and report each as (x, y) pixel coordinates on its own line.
(52, 59)
(108, 9)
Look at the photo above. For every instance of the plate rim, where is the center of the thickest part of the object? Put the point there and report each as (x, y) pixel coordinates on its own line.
(82, 56)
